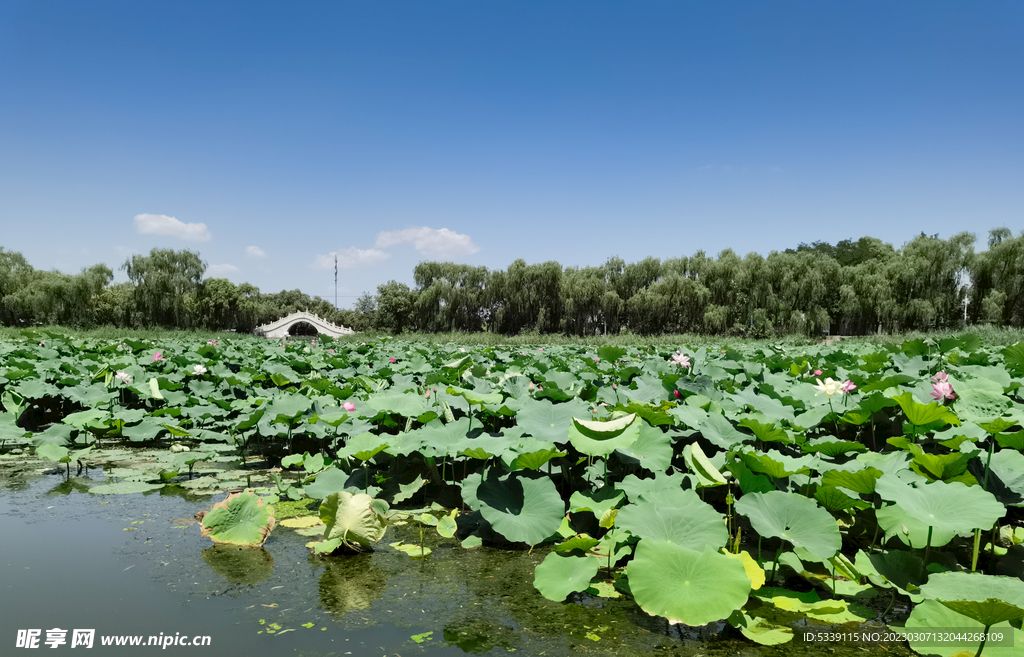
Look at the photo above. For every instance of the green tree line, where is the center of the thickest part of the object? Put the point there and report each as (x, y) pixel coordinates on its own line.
(850, 288)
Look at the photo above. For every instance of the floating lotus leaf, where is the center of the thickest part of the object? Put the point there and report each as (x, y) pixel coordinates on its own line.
(793, 518)
(558, 576)
(834, 612)
(761, 630)
(301, 521)
(988, 599)
(678, 516)
(414, 550)
(239, 519)
(351, 519)
(521, 508)
(685, 585)
(124, 488)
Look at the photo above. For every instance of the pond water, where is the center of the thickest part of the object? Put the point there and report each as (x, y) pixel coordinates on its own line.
(135, 565)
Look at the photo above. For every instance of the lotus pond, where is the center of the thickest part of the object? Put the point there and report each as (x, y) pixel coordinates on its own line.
(396, 497)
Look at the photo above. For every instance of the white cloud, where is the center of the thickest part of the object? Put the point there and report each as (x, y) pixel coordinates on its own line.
(434, 242)
(255, 252)
(351, 258)
(161, 224)
(221, 270)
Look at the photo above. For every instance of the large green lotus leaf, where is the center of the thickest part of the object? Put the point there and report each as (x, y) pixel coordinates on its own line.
(678, 516)
(952, 507)
(980, 400)
(547, 421)
(352, 519)
(793, 518)
(406, 405)
(485, 446)
(892, 519)
(620, 435)
(597, 502)
(988, 599)
(832, 447)
(899, 568)
(860, 481)
(635, 487)
(931, 616)
(776, 464)
(363, 447)
(772, 408)
(440, 439)
(766, 432)
(833, 499)
(328, 481)
(1008, 466)
(475, 397)
(521, 508)
(685, 585)
(921, 414)
(558, 576)
(720, 432)
(239, 519)
(288, 407)
(652, 450)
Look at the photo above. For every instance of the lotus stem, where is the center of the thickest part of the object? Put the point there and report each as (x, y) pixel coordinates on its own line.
(991, 448)
(984, 638)
(977, 545)
(928, 546)
(892, 601)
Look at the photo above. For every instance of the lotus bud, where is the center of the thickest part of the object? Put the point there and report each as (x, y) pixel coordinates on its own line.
(906, 532)
(428, 393)
(676, 393)
(531, 386)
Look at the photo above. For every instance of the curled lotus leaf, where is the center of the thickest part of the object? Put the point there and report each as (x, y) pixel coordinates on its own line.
(239, 519)
(351, 519)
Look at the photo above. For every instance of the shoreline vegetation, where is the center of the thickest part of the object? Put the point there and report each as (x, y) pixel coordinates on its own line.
(862, 287)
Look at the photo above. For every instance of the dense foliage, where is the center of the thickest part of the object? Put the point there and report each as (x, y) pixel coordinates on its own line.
(852, 288)
(759, 484)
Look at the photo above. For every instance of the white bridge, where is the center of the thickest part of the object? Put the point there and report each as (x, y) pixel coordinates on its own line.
(282, 327)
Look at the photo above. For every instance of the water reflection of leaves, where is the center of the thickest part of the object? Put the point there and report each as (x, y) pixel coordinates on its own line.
(351, 583)
(240, 565)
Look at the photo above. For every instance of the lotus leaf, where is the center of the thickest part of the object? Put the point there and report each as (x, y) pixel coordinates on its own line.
(595, 438)
(951, 507)
(760, 630)
(351, 519)
(521, 508)
(931, 616)
(793, 518)
(239, 519)
(988, 599)
(678, 516)
(558, 576)
(681, 584)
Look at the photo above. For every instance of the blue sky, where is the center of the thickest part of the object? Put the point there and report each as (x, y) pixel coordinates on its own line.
(482, 132)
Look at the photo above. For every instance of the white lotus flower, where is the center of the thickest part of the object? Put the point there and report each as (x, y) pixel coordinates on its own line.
(198, 370)
(123, 377)
(829, 388)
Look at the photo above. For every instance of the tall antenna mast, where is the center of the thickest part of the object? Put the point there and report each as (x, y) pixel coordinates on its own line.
(335, 281)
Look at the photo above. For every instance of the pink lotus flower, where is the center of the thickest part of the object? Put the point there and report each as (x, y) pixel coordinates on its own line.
(597, 360)
(330, 351)
(313, 343)
(615, 386)
(540, 348)
(42, 343)
(817, 372)
(500, 345)
(349, 406)
(941, 377)
(211, 343)
(393, 359)
(680, 359)
(849, 386)
(158, 356)
(943, 390)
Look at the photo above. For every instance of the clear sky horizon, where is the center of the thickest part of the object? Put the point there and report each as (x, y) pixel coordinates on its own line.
(269, 137)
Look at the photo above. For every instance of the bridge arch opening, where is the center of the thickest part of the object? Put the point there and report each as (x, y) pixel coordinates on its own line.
(303, 329)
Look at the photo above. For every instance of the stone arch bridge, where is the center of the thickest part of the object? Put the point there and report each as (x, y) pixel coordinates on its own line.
(283, 327)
